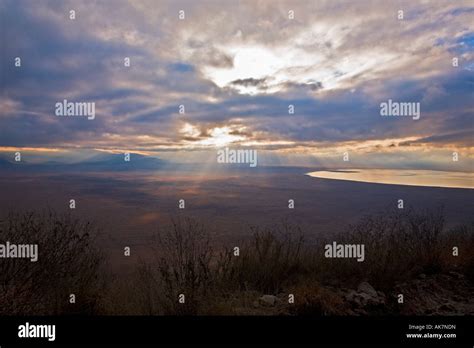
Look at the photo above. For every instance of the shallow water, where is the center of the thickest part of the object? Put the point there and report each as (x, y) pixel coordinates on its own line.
(431, 178)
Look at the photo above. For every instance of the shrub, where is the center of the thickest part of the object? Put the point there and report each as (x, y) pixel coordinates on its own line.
(184, 266)
(269, 261)
(68, 262)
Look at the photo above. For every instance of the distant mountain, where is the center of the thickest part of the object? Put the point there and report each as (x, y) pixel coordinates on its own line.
(117, 162)
(107, 162)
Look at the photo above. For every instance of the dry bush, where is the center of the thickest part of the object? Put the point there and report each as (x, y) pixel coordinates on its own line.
(313, 299)
(398, 244)
(187, 264)
(461, 237)
(184, 266)
(68, 262)
(269, 261)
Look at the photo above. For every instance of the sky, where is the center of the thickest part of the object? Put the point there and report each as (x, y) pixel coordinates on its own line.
(236, 67)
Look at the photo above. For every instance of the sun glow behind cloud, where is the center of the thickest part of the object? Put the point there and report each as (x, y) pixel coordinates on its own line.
(310, 61)
(214, 137)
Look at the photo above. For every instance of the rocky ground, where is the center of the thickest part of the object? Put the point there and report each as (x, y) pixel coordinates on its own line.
(440, 294)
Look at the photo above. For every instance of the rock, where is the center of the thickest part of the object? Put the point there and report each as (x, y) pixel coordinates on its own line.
(350, 295)
(365, 298)
(354, 298)
(366, 288)
(268, 300)
(422, 276)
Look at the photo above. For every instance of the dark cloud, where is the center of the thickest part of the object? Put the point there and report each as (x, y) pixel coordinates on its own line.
(210, 55)
(312, 85)
(464, 138)
(250, 82)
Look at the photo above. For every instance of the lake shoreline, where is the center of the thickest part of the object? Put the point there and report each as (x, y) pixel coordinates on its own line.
(411, 177)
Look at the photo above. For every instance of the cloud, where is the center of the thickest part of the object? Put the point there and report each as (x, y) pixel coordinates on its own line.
(249, 82)
(236, 68)
(463, 138)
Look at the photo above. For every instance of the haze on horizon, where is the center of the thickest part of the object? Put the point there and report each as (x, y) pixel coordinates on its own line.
(236, 68)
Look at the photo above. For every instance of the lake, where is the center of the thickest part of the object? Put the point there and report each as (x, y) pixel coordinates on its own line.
(430, 178)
